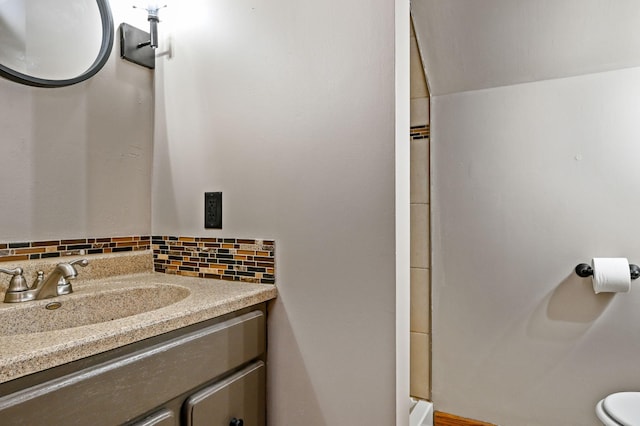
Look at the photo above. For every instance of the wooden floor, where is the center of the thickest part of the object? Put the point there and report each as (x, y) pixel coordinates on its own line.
(446, 419)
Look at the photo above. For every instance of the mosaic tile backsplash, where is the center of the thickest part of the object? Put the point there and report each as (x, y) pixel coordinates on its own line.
(232, 259)
(420, 132)
(229, 259)
(11, 252)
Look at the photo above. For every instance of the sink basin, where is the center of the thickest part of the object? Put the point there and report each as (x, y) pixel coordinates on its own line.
(86, 306)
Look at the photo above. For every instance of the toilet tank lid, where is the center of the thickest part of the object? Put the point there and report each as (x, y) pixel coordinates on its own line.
(623, 407)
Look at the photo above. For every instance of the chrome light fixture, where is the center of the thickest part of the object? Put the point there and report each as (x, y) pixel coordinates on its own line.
(138, 46)
(152, 16)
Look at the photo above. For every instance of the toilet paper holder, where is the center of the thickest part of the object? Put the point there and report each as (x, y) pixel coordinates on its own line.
(585, 270)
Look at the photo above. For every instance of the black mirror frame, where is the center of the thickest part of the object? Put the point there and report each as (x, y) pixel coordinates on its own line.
(103, 55)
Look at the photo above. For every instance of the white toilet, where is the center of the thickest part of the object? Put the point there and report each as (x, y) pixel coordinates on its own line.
(620, 409)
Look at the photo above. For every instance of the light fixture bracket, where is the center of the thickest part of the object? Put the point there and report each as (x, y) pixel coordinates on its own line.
(135, 47)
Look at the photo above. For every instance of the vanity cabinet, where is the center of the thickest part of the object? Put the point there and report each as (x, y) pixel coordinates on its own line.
(211, 373)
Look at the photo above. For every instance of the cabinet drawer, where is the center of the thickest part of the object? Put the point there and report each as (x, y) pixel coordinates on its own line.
(161, 418)
(119, 390)
(240, 396)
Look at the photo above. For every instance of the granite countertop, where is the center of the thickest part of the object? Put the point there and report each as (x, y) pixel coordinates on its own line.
(199, 300)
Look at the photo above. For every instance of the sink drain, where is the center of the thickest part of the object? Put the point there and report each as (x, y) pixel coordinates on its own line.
(53, 306)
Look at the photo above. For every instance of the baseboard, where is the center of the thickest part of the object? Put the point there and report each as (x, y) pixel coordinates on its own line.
(446, 419)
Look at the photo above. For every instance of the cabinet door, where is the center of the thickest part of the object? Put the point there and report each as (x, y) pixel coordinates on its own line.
(240, 396)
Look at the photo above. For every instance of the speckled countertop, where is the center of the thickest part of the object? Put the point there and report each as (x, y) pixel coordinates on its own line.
(190, 300)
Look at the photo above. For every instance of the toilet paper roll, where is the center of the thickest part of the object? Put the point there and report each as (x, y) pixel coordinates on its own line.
(611, 275)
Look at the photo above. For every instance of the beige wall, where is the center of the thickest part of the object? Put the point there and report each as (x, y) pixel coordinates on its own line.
(420, 255)
(293, 120)
(289, 111)
(76, 161)
(529, 181)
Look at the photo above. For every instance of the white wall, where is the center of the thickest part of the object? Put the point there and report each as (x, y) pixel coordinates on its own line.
(288, 109)
(76, 161)
(471, 45)
(528, 181)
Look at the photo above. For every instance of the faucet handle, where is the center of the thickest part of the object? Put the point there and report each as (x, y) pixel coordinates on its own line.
(15, 271)
(17, 283)
(64, 286)
(80, 262)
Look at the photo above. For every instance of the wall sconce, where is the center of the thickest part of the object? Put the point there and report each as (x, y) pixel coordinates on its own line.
(138, 46)
(152, 16)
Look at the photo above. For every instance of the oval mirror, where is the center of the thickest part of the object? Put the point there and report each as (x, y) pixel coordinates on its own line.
(54, 43)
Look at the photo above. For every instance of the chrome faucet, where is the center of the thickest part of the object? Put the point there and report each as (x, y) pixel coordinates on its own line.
(55, 284)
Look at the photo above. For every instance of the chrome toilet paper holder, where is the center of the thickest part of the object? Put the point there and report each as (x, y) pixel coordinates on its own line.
(585, 270)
